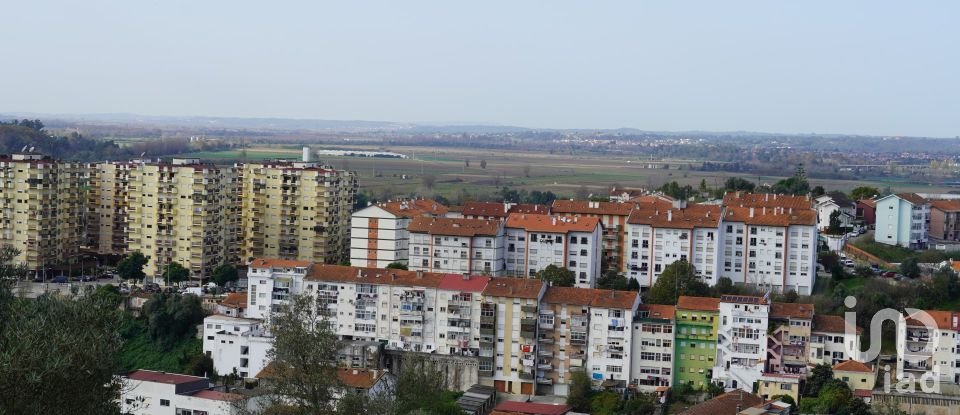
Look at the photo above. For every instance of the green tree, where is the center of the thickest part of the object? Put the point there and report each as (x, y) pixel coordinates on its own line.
(58, 354)
(678, 278)
(817, 191)
(612, 280)
(724, 286)
(303, 373)
(174, 272)
(557, 276)
(910, 267)
(172, 317)
(864, 192)
(819, 376)
(131, 267)
(734, 184)
(795, 185)
(360, 201)
(420, 386)
(397, 265)
(604, 403)
(863, 271)
(641, 404)
(835, 224)
(108, 295)
(703, 186)
(581, 388)
(224, 274)
(202, 365)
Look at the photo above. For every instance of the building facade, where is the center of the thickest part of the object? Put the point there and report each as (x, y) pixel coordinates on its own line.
(509, 333)
(903, 219)
(537, 241)
(457, 246)
(107, 206)
(697, 320)
(612, 215)
(42, 210)
(378, 233)
(741, 341)
(236, 345)
(659, 236)
(788, 344)
(652, 359)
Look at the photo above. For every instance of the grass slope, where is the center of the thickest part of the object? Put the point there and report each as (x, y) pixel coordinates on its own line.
(139, 352)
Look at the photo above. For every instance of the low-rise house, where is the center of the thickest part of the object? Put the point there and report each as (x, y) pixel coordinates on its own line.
(866, 213)
(832, 339)
(728, 403)
(859, 376)
(146, 392)
(368, 382)
(233, 305)
(771, 385)
(832, 202)
(236, 345)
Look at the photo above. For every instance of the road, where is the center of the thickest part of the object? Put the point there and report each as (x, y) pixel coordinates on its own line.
(30, 289)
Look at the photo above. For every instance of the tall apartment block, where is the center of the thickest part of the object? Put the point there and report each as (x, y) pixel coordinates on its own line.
(741, 341)
(176, 213)
(41, 209)
(457, 246)
(659, 235)
(378, 233)
(697, 320)
(535, 242)
(613, 217)
(296, 210)
(508, 334)
(652, 359)
(106, 204)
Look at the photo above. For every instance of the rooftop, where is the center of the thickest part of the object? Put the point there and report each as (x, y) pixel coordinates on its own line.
(514, 288)
(592, 207)
(791, 310)
(946, 205)
(768, 200)
(530, 408)
(454, 226)
(698, 303)
(501, 210)
(591, 297)
(743, 299)
(771, 216)
(830, 324)
(852, 366)
(144, 375)
(216, 395)
(363, 275)
(945, 320)
(412, 208)
(473, 284)
(549, 223)
(360, 378)
(728, 403)
(693, 216)
(913, 198)
(235, 300)
(658, 311)
(278, 263)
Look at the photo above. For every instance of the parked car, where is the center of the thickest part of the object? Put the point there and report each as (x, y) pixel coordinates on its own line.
(849, 263)
(86, 278)
(60, 279)
(889, 274)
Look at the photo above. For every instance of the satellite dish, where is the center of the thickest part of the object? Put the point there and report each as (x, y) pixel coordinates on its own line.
(23, 149)
(143, 154)
(31, 148)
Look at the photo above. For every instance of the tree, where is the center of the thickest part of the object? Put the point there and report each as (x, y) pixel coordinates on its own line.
(604, 403)
(817, 191)
(864, 192)
(224, 274)
(703, 186)
(420, 386)
(428, 181)
(303, 373)
(581, 387)
(863, 271)
(678, 278)
(734, 184)
(131, 267)
(107, 295)
(796, 185)
(612, 280)
(910, 267)
(173, 273)
(582, 192)
(724, 286)
(526, 170)
(819, 376)
(466, 163)
(58, 354)
(360, 200)
(171, 317)
(557, 276)
(397, 265)
(641, 404)
(483, 164)
(202, 365)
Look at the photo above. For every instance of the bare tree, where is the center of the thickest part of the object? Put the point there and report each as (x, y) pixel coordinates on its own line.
(428, 181)
(526, 170)
(483, 164)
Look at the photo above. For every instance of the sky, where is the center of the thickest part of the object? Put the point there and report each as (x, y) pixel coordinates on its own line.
(852, 67)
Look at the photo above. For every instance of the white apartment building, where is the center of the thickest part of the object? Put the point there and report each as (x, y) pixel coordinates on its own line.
(390, 305)
(378, 233)
(458, 314)
(903, 219)
(145, 392)
(236, 345)
(270, 282)
(741, 341)
(457, 246)
(830, 343)
(508, 334)
(927, 346)
(611, 330)
(536, 241)
(772, 248)
(652, 357)
(659, 236)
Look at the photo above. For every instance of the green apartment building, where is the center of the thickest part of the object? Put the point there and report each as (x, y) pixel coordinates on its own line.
(696, 340)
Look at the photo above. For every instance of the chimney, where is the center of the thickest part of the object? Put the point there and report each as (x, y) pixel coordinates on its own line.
(393, 276)
(355, 371)
(419, 274)
(751, 212)
(359, 273)
(766, 197)
(669, 215)
(510, 289)
(466, 277)
(764, 210)
(553, 220)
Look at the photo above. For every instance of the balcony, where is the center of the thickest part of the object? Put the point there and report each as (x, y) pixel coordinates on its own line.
(544, 381)
(525, 375)
(488, 331)
(528, 309)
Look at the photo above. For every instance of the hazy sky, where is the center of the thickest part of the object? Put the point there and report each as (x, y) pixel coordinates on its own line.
(872, 67)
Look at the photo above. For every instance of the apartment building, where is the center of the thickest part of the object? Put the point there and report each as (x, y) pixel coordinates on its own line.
(652, 359)
(508, 334)
(458, 314)
(457, 246)
(903, 219)
(770, 247)
(41, 209)
(500, 210)
(564, 324)
(536, 241)
(176, 213)
(611, 330)
(378, 233)
(271, 282)
(788, 344)
(146, 392)
(945, 220)
(612, 215)
(236, 345)
(697, 321)
(927, 346)
(659, 235)
(296, 210)
(393, 306)
(835, 201)
(106, 206)
(829, 342)
(741, 341)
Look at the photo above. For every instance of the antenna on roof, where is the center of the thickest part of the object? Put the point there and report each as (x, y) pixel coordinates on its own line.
(31, 148)
(23, 149)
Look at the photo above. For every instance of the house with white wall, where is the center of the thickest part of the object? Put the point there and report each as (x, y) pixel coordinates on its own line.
(236, 345)
(457, 246)
(271, 282)
(903, 219)
(537, 241)
(741, 341)
(147, 392)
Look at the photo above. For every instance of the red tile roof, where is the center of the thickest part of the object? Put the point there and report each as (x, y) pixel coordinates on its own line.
(863, 393)
(725, 404)
(869, 202)
(568, 295)
(768, 200)
(791, 310)
(912, 198)
(162, 377)
(359, 378)
(588, 207)
(475, 283)
(623, 300)
(659, 311)
(743, 299)
(216, 395)
(592, 297)
(530, 408)
(945, 320)
(278, 263)
(852, 366)
(946, 205)
(825, 323)
(454, 226)
(766, 216)
(693, 216)
(363, 275)
(500, 210)
(235, 300)
(549, 223)
(514, 288)
(698, 303)
(413, 208)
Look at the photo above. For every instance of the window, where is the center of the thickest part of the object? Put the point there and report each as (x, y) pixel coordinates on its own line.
(164, 402)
